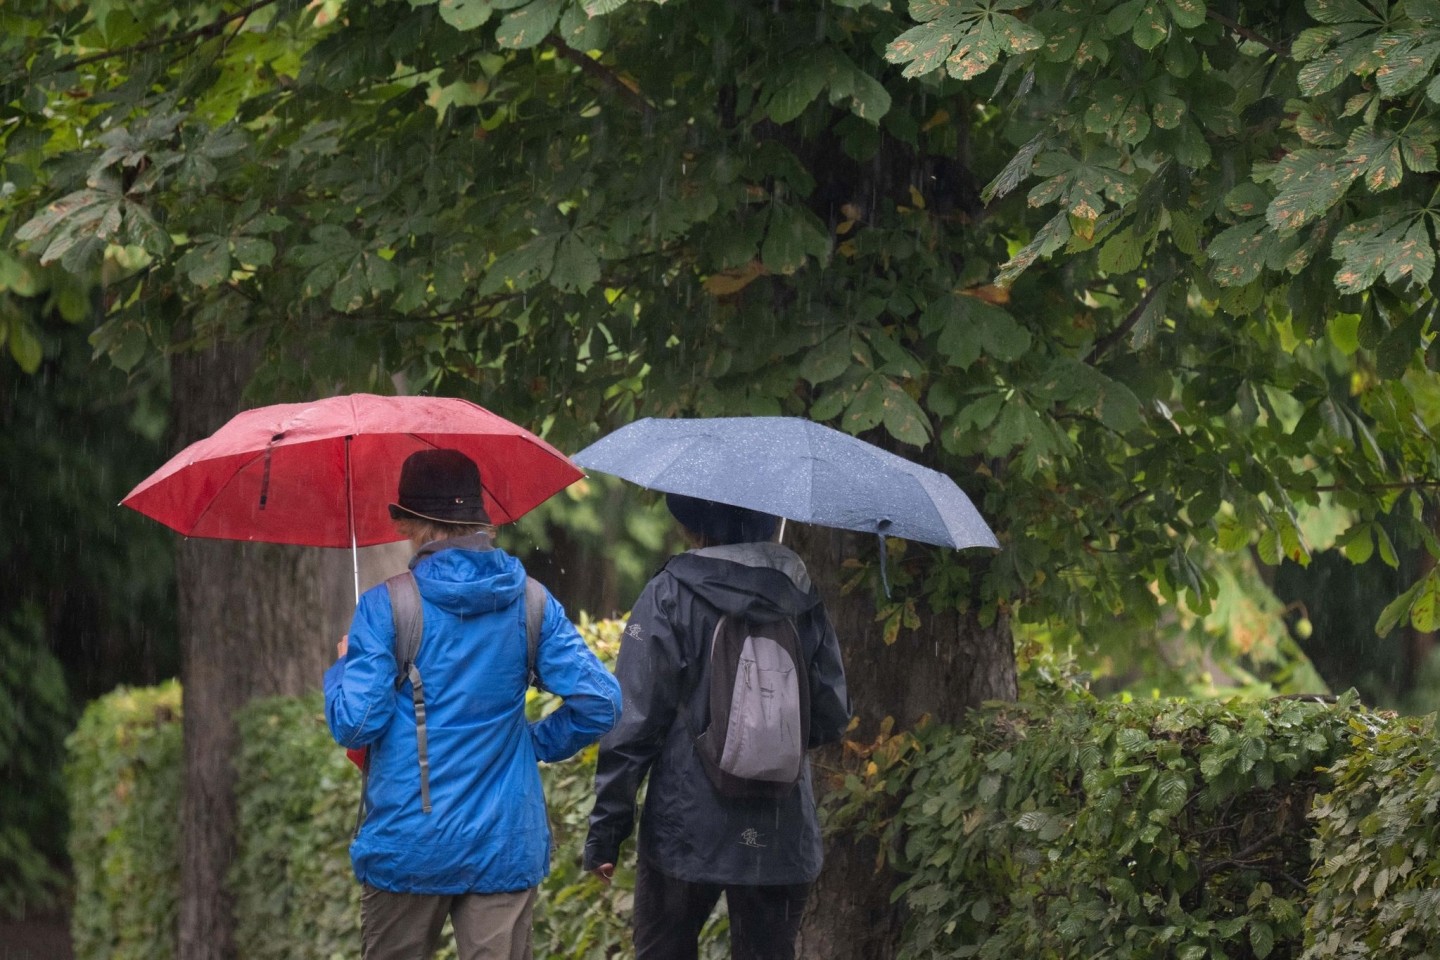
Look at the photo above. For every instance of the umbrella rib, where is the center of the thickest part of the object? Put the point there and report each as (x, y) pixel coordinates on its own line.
(234, 474)
(655, 475)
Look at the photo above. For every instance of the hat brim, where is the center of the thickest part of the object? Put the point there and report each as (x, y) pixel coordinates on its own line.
(398, 512)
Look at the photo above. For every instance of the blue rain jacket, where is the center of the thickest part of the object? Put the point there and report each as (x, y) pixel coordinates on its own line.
(487, 831)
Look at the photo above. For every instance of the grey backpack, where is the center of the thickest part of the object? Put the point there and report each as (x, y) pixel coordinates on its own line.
(753, 744)
(406, 612)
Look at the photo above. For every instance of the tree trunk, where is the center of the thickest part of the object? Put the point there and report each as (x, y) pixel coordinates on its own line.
(254, 620)
(949, 665)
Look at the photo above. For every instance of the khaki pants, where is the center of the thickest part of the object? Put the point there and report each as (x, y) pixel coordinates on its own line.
(406, 926)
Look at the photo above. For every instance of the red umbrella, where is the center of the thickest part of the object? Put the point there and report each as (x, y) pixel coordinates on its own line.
(321, 474)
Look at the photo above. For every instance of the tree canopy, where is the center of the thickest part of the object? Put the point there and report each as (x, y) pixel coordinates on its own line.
(1152, 278)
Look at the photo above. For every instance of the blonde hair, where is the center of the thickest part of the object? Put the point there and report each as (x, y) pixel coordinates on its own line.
(418, 529)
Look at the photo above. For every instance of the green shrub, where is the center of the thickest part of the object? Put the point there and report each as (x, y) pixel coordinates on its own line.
(1376, 885)
(1073, 827)
(123, 778)
(296, 800)
(35, 716)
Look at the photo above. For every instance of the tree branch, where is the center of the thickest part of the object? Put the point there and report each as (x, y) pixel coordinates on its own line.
(604, 74)
(1114, 336)
(1278, 49)
(1399, 485)
(210, 29)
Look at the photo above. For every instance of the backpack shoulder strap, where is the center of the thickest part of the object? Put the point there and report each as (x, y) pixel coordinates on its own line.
(409, 620)
(534, 619)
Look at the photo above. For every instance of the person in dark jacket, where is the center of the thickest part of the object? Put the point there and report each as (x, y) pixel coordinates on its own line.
(478, 853)
(695, 844)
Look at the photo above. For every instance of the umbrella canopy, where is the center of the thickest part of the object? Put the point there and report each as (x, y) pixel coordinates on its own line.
(792, 468)
(322, 474)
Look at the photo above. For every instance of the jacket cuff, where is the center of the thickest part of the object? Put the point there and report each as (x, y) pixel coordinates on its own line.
(596, 854)
(334, 675)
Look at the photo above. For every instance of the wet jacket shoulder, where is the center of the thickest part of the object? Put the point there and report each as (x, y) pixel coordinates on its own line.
(487, 830)
(687, 829)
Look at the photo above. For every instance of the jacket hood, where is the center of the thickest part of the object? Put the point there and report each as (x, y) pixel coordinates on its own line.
(468, 575)
(760, 581)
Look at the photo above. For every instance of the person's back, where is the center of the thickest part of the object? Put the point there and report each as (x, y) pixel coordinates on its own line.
(479, 851)
(695, 843)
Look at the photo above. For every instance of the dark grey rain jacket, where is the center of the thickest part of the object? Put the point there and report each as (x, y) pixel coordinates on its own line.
(687, 830)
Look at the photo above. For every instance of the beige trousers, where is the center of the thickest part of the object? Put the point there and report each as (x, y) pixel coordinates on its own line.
(406, 926)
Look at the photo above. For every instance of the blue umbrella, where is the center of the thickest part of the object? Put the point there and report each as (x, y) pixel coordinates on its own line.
(792, 468)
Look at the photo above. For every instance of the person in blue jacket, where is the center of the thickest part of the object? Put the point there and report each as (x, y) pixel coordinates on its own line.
(479, 852)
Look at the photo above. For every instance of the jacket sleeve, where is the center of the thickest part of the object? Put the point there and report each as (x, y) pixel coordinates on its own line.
(570, 670)
(650, 668)
(829, 698)
(360, 688)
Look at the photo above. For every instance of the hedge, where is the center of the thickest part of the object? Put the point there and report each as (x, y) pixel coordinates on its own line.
(295, 895)
(1376, 884)
(1075, 827)
(123, 783)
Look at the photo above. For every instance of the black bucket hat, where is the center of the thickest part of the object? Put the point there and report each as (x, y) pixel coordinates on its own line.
(440, 485)
(720, 523)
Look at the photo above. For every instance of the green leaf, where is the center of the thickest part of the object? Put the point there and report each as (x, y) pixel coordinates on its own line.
(1375, 154)
(16, 277)
(465, 14)
(1425, 611)
(1341, 11)
(1236, 252)
(576, 266)
(1002, 337)
(967, 325)
(1399, 608)
(968, 37)
(1151, 26)
(1119, 108)
(581, 30)
(366, 277)
(793, 235)
(1046, 241)
(1358, 54)
(1407, 62)
(1310, 182)
(801, 88)
(1187, 13)
(865, 96)
(521, 268)
(903, 418)
(830, 359)
(1396, 245)
(1357, 544)
(25, 347)
(1015, 170)
(1167, 111)
(527, 26)
(1122, 253)
(253, 251)
(867, 408)
(207, 263)
(79, 206)
(129, 348)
